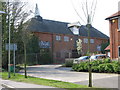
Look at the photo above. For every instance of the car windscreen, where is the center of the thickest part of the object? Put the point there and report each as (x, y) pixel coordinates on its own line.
(93, 57)
(84, 57)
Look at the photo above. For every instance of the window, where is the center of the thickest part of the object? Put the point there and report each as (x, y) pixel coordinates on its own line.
(98, 48)
(119, 51)
(91, 40)
(119, 24)
(66, 39)
(75, 30)
(85, 40)
(58, 38)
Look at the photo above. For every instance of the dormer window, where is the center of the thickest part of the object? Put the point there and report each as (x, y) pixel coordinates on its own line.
(75, 30)
(74, 27)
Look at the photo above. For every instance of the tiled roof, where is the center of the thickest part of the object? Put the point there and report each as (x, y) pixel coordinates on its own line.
(107, 48)
(114, 15)
(50, 26)
(93, 32)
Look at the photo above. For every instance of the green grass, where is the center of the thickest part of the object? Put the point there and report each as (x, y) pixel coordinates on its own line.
(41, 81)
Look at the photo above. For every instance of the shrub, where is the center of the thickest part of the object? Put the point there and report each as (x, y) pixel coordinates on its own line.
(99, 66)
(95, 69)
(109, 68)
(96, 62)
(106, 60)
(116, 68)
(81, 66)
(75, 67)
(86, 66)
(69, 63)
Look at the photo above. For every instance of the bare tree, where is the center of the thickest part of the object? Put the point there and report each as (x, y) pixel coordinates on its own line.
(25, 35)
(87, 11)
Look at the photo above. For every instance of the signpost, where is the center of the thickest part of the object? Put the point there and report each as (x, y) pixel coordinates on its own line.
(13, 47)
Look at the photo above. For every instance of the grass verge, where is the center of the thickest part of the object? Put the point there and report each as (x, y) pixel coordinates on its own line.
(46, 82)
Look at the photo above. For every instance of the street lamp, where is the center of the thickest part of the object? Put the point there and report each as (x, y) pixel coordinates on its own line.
(1, 12)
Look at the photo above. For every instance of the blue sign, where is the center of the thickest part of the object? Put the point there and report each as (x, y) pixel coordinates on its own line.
(44, 44)
(12, 46)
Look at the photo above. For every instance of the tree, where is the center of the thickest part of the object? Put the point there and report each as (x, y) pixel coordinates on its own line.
(86, 15)
(16, 16)
(25, 38)
(103, 46)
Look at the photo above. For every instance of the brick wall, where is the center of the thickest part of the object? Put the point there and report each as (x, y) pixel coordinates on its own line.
(93, 46)
(114, 38)
(61, 49)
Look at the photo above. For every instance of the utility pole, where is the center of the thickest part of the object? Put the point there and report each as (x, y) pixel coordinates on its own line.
(1, 12)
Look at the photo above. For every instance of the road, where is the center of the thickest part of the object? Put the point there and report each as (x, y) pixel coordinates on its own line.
(101, 80)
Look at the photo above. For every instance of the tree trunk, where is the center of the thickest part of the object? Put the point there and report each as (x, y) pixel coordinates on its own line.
(90, 71)
(25, 60)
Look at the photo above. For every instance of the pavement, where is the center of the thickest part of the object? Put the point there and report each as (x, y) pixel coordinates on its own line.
(55, 72)
(21, 85)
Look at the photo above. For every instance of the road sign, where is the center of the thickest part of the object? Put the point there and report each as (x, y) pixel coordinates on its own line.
(12, 46)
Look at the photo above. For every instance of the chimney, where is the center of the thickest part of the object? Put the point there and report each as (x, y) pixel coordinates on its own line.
(37, 14)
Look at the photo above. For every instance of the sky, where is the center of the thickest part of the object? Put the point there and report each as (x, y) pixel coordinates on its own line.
(62, 10)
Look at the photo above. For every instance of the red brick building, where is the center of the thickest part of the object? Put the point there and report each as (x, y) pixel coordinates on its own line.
(114, 25)
(60, 37)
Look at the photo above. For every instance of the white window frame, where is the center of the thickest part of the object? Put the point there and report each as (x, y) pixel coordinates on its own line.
(85, 40)
(92, 41)
(118, 52)
(118, 23)
(66, 38)
(58, 38)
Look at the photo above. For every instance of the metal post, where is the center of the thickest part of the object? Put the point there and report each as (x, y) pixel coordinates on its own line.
(14, 57)
(9, 45)
(36, 59)
(9, 52)
(0, 42)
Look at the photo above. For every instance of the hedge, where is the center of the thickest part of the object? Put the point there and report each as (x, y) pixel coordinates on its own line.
(101, 66)
(69, 62)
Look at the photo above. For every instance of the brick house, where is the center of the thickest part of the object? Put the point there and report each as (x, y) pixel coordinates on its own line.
(60, 37)
(114, 28)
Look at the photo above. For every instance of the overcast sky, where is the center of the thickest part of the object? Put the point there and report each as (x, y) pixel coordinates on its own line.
(62, 10)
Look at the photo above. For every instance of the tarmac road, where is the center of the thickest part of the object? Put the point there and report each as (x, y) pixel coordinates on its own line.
(101, 80)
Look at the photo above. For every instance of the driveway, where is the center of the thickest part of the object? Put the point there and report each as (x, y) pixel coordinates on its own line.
(64, 74)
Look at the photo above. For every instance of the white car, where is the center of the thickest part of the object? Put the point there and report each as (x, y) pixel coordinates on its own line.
(96, 57)
(78, 60)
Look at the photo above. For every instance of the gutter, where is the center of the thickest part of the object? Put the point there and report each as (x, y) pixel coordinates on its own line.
(114, 17)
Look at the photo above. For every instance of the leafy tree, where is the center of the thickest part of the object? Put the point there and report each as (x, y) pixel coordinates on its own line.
(103, 46)
(17, 15)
